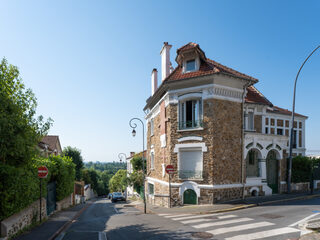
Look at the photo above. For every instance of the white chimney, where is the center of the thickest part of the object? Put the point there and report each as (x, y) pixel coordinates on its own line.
(154, 81)
(165, 60)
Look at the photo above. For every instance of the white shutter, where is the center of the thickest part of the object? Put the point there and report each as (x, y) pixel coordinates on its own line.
(191, 160)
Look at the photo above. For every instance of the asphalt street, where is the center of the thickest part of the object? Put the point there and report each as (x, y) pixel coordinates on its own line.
(105, 220)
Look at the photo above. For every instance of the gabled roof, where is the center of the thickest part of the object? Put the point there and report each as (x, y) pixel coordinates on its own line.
(255, 96)
(51, 141)
(207, 66)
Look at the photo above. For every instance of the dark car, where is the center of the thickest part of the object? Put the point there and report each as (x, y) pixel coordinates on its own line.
(109, 195)
(117, 196)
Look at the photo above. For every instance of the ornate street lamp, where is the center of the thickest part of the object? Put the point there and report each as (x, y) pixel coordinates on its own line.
(133, 126)
(121, 155)
(292, 121)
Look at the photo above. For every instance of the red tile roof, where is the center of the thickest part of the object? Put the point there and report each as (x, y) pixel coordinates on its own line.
(279, 110)
(51, 141)
(207, 67)
(254, 96)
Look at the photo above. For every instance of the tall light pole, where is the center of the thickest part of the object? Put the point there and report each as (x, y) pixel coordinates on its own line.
(120, 156)
(133, 126)
(292, 121)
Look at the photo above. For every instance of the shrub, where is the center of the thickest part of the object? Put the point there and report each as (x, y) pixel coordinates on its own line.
(301, 169)
(19, 186)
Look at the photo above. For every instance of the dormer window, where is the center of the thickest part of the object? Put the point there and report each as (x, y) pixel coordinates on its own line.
(191, 65)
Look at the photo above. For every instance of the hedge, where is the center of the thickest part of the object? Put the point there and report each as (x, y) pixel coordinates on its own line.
(19, 186)
(302, 168)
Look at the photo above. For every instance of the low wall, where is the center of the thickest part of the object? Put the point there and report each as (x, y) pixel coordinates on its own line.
(300, 187)
(24, 218)
(64, 203)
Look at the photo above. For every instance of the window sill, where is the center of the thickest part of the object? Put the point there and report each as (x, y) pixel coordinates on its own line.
(249, 130)
(190, 129)
(190, 179)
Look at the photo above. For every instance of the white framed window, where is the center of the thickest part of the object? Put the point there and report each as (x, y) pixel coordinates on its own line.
(190, 65)
(190, 163)
(152, 160)
(249, 120)
(151, 126)
(190, 114)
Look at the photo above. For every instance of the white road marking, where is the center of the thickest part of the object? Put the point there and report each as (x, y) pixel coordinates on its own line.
(204, 225)
(240, 228)
(180, 215)
(102, 236)
(303, 220)
(206, 219)
(264, 234)
(116, 210)
(196, 216)
(163, 214)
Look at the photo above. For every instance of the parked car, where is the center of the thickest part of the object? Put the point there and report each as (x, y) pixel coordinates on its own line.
(117, 196)
(109, 195)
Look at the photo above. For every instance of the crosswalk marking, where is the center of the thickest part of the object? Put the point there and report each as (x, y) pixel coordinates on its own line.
(205, 225)
(196, 216)
(240, 228)
(264, 234)
(163, 214)
(181, 215)
(206, 219)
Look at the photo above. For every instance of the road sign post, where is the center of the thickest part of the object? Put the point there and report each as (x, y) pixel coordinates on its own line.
(42, 173)
(169, 170)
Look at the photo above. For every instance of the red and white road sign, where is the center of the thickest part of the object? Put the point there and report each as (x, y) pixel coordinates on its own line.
(42, 172)
(169, 169)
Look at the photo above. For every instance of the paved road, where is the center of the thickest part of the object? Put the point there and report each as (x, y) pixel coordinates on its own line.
(104, 220)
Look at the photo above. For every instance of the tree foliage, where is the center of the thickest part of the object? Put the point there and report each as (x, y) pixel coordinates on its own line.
(20, 129)
(77, 159)
(118, 182)
(136, 162)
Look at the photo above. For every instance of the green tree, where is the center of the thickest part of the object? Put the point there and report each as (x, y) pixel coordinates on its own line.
(136, 162)
(77, 159)
(118, 182)
(20, 129)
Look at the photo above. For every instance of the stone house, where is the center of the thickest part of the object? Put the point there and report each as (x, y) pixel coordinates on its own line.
(223, 136)
(49, 145)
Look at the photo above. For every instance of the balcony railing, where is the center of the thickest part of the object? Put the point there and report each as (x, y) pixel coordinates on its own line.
(190, 174)
(190, 124)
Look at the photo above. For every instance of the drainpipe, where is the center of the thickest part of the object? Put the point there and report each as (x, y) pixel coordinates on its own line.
(242, 140)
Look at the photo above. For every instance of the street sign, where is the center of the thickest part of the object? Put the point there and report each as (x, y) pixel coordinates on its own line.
(169, 169)
(42, 172)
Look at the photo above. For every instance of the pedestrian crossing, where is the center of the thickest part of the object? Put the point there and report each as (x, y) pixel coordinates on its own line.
(234, 227)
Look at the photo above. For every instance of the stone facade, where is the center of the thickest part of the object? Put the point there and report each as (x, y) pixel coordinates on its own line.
(229, 120)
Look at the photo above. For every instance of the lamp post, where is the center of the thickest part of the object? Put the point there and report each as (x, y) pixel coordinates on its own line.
(133, 126)
(120, 156)
(292, 121)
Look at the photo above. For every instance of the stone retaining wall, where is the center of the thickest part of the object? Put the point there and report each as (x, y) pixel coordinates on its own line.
(24, 218)
(64, 203)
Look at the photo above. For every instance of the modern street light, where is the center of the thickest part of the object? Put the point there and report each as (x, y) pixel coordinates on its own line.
(133, 126)
(292, 121)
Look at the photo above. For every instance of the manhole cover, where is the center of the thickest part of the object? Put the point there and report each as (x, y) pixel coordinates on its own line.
(271, 216)
(202, 235)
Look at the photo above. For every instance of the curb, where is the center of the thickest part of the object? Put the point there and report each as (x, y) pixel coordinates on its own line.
(68, 223)
(245, 206)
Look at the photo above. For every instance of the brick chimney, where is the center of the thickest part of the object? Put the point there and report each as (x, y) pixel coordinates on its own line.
(154, 81)
(165, 60)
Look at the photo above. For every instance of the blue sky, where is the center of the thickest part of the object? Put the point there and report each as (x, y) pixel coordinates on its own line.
(89, 62)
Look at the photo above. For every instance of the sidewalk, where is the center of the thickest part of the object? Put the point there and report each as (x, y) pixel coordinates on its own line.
(56, 223)
(228, 206)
